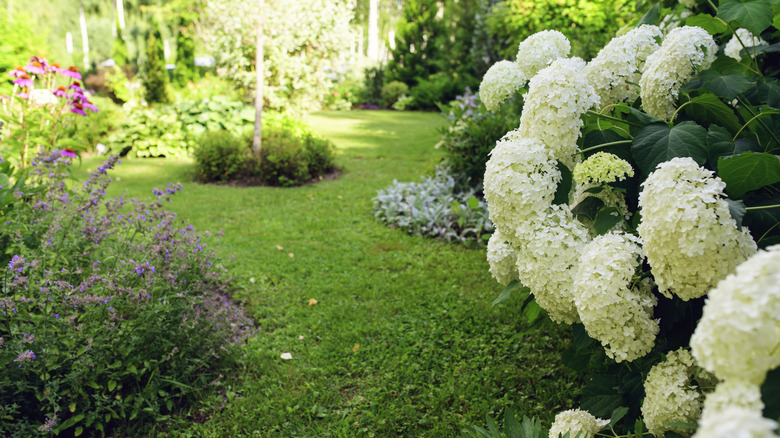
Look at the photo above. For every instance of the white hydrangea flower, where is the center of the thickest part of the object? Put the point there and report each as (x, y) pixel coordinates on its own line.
(577, 423)
(733, 392)
(616, 71)
(690, 239)
(502, 258)
(556, 99)
(733, 47)
(684, 51)
(669, 395)
(602, 168)
(550, 244)
(615, 313)
(521, 177)
(739, 332)
(690, 4)
(499, 83)
(736, 422)
(540, 50)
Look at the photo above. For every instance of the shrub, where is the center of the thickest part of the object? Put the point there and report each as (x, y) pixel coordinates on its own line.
(151, 132)
(392, 91)
(290, 158)
(434, 208)
(220, 156)
(113, 312)
(374, 78)
(472, 133)
(436, 89)
(218, 113)
(155, 76)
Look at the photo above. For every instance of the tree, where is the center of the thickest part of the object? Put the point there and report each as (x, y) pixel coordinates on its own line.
(185, 54)
(155, 76)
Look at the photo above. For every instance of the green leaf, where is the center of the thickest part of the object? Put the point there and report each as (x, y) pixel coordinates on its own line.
(748, 171)
(79, 430)
(617, 415)
(644, 118)
(727, 85)
(564, 187)
(657, 143)
(111, 385)
(708, 23)
(507, 292)
(493, 426)
(719, 143)
(473, 203)
(707, 109)
(652, 16)
(737, 210)
(511, 425)
(606, 219)
(753, 15)
(532, 311)
(770, 93)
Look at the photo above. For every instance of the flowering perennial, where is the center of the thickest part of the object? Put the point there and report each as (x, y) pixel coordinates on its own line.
(499, 83)
(616, 71)
(502, 258)
(738, 335)
(684, 51)
(577, 423)
(540, 50)
(693, 242)
(613, 309)
(670, 396)
(734, 46)
(602, 168)
(556, 99)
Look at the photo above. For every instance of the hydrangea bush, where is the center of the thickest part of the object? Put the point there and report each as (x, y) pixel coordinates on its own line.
(113, 313)
(638, 201)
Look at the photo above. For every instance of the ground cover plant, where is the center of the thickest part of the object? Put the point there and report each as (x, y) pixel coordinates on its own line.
(390, 334)
(638, 202)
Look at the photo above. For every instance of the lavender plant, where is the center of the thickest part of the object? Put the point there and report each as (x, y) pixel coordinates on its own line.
(113, 312)
(434, 208)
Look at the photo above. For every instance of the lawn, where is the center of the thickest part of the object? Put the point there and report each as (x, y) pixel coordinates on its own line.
(402, 340)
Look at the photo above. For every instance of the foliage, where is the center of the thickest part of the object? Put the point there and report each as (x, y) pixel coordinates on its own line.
(154, 75)
(220, 156)
(35, 117)
(214, 114)
(119, 86)
(350, 91)
(436, 89)
(712, 159)
(289, 157)
(392, 91)
(303, 40)
(20, 38)
(374, 80)
(434, 208)
(150, 132)
(185, 55)
(589, 25)
(471, 133)
(101, 302)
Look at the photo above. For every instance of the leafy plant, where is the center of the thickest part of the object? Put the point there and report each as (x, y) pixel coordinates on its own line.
(154, 75)
(220, 156)
(392, 91)
(151, 132)
(217, 113)
(290, 158)
(434, 208)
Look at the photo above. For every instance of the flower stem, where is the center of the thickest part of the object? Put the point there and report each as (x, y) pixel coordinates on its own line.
(614, 119)
(599, 146)
(763, 207)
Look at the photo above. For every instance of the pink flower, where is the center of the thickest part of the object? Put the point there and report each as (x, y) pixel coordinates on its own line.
(72, 72)
(24, 81)
(76, 87)
(17, 72)
(34, 67)
(60, 92)
(68, 152)
(78, 108)
(90, 106)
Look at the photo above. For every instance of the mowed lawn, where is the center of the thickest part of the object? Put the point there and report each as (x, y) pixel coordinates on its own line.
(402, 340)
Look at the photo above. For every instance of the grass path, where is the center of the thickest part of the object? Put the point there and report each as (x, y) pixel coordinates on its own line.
(403, 340)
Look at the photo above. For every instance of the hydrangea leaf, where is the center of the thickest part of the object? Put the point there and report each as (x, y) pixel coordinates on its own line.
(727, 85)
(708, 23)
(770, 91)
(708, 109)
(719, 143)
(753, 15)
(657, 143)
(737, 210)
(652, 16)
(564, 187)
(606, 219)
(748, 171)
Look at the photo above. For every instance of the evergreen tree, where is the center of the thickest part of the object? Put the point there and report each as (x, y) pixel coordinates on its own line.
(416, 52)
(119, 48)
(185, 55)
(155, 76)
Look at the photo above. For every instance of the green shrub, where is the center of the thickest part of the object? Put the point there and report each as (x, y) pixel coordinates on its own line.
(436, 89)
(220, 156)
(374, 78)
(155, 76)
(392, 91)
(290, 158)
(151, 132)
(218, 113)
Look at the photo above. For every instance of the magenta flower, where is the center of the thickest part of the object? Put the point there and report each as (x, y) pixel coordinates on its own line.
(90, 106)
(77, 108)
(60, 92)
(17, 72)
(76, 87)
(35, 68)
(24, 81)
(68, 153)
(72, 72)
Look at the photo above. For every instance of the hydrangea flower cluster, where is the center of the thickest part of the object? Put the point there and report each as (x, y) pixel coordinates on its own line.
(556, 99)
(693, 242)
(602, 168)
(736, 421)
(613, 309)
(616, 70)
(670, 395)
(520, 179)
(577, 423)
(734, 46)
(502, 258)
(540, 50)
(501, 81)
(738, 334)
(684, 51)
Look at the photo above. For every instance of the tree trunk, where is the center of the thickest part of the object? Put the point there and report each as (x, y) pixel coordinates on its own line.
(120, 13)
(373, 30)
(259, 75)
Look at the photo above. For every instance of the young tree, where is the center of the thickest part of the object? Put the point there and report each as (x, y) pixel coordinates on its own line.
(155, 76)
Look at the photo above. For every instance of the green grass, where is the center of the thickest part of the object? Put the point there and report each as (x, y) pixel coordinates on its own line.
(403, 340)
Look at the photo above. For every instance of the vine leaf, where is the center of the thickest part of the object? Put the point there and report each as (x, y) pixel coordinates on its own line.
(657, 143)
(708, 23)
(748, 171)
(719, 143)
(708, 109)
(753, 15)
(727, 85)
